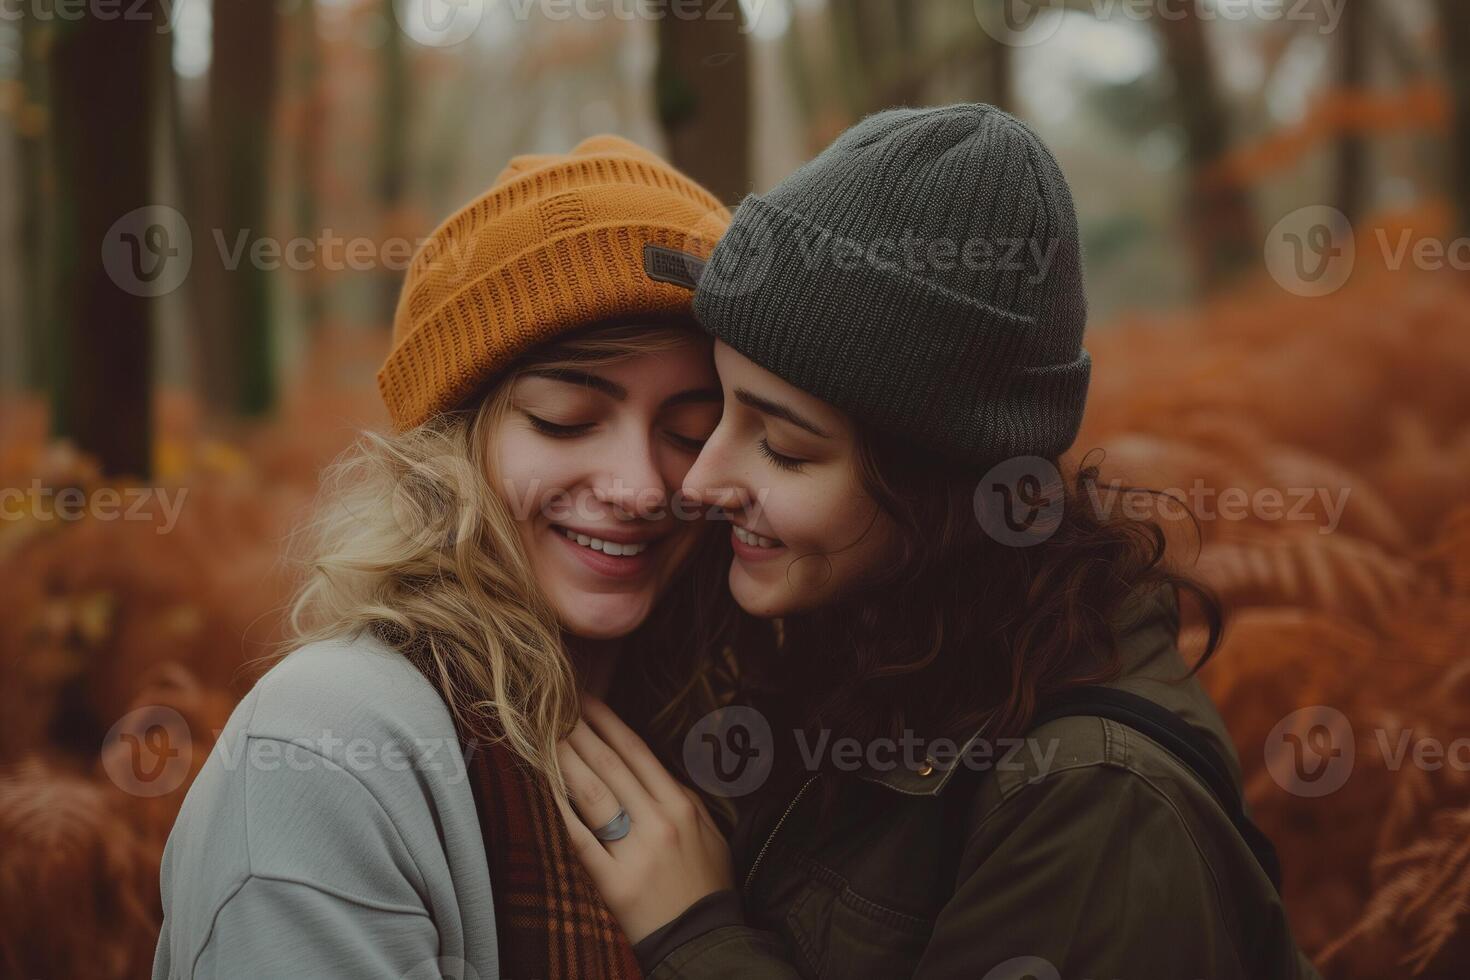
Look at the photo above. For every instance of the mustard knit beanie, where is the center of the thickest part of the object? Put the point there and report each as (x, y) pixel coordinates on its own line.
(607, 232)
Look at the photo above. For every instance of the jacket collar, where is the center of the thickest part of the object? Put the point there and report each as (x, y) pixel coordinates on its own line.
(1135, 623)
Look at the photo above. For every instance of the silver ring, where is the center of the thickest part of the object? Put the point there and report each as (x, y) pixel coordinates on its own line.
(615, 829)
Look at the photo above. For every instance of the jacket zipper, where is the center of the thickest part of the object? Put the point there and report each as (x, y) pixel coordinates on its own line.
(776, 830)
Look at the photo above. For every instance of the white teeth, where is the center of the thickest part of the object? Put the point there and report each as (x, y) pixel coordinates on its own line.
(606, 547)
(751, 538)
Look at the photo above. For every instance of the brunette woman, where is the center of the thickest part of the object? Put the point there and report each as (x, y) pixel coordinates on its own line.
(899, 331)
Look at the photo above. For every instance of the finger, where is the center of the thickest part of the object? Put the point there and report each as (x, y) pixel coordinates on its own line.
(634, 752)
(610, 768)
(589, 850)
(594, 801)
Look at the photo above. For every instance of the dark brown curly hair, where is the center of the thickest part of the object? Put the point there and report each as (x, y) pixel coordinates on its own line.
(962, 630)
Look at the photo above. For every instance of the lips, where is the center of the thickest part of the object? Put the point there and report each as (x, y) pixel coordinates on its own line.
(751, 547)
(628, 558)
(617, 546)
(755, 540)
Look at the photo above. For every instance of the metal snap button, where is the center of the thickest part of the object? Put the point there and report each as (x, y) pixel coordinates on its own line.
(927, 767)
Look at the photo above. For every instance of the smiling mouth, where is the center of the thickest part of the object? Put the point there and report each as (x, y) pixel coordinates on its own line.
(755, 540)
(611, 548)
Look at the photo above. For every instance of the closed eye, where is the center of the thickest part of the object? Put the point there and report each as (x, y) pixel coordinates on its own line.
(687, 443)
(780, 460)
(555, 429)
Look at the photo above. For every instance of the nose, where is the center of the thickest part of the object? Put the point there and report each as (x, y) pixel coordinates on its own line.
(710, 481)
(632, 484)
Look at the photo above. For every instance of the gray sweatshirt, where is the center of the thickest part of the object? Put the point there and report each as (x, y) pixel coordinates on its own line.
(331, 833)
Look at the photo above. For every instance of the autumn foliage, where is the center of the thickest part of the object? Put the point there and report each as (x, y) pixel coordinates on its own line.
(1359, 399)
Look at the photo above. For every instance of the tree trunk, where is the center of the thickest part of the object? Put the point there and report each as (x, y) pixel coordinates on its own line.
(902, 50)
(309, 132)
(1454, 18)
(999, 77)
(1352, 77)
(1222, 226)
(31, 125)
(879, 61)
(798, 70)
(883, 59)
(201, 291)
(851, 68)
(392, 150)
(703, 96)
(103, 132)
(242, 86)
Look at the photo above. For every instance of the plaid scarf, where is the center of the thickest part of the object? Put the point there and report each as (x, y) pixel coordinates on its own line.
(550, 921)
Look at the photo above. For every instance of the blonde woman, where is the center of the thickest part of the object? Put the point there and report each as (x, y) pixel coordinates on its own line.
(516, 540)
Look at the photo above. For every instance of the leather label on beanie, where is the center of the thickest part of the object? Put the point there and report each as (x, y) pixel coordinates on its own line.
(672, 266)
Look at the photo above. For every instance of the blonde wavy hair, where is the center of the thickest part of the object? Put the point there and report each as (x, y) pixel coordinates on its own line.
(412, 542)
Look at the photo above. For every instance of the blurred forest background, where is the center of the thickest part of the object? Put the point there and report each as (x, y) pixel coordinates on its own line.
(333, 134)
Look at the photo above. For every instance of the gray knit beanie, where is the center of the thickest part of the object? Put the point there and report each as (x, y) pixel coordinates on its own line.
(923, 274)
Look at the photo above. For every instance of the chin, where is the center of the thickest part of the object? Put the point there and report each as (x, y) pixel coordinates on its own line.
(602, 617)
(759, 599)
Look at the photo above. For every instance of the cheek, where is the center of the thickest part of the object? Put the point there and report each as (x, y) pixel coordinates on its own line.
(848, 529)
(533, 480)
(823, 516)
(673, 466)
(876, 550)
(865, 530)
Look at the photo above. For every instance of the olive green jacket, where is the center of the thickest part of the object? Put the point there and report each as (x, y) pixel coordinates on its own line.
(1089, 852)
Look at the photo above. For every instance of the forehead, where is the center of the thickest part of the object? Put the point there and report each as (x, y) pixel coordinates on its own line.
(687, 354)
(658, 374)
(737, 370)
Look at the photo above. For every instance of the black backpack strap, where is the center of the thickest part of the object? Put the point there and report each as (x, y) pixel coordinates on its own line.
(1182, 740)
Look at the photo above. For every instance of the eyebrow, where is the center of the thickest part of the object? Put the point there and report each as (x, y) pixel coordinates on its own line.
(583, 378)
(695, 396)
(776, 410)
(614, 390)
